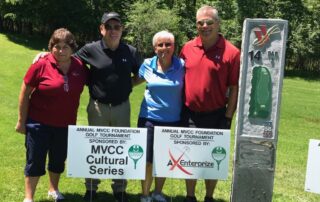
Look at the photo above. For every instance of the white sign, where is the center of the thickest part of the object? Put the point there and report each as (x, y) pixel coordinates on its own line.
(313, 167)
(191, 153)
(106, 152)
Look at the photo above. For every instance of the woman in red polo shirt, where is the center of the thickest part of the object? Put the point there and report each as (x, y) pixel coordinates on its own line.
(48, 103)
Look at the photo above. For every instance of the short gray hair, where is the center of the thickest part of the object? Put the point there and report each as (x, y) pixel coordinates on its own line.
(211, 9)
(162, 34)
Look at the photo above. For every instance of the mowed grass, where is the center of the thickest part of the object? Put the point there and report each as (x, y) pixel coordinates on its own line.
(299, 122)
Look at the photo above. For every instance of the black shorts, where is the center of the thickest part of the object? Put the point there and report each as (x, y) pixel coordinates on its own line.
(42, 140)
(150, 124)
(213, 119)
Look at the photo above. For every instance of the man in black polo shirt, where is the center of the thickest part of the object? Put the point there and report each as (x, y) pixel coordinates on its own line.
(111, 65)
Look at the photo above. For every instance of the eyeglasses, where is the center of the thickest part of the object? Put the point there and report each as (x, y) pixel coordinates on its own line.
(207, 21)
(114, 27)
(167, 45)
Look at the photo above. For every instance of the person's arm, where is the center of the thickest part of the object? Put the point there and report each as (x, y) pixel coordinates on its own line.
(136, 80)
(39, 56)
(232, 101)
(24, 99)
(233, 87)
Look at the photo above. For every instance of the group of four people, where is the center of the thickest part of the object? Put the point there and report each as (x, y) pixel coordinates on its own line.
(197, 89)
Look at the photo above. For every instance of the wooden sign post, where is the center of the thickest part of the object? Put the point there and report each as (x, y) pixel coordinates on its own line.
(261, 75)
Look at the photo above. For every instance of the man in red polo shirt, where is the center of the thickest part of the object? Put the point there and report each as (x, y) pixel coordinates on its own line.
(211, 83)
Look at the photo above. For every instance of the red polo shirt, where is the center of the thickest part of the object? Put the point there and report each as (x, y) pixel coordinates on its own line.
(209, 73)
(55, 99)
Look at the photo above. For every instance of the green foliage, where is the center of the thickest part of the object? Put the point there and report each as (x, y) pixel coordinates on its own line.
(43, 16)
(230, 27)
(145, 18)
(299, 122)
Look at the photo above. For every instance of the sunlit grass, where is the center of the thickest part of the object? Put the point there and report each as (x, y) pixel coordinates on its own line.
(299, 122)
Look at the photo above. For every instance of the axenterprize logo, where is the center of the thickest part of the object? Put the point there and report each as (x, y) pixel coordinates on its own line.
(218, 154)
(135, 153)
(174, 162)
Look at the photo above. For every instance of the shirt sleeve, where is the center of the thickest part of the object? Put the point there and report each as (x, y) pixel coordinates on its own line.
(32, 77)
(138, 61)
(142, 70)
(82, 54)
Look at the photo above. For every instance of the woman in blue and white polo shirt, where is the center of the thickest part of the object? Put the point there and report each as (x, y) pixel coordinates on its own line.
(162, 102)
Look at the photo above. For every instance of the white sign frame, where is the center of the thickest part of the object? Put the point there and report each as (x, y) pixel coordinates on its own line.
(191, 153)
(106, 152)
(312, 183)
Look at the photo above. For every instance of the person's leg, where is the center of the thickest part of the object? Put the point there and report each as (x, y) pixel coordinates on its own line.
(146, 184)
(92, 184)
(30, 186)
(120, 117)
(210, 187)
(211, 120)
(98, 115)
(36, 143)
(159, 183)
(191, 187)
(190, 183)
(157, 193)
(53, 181)
(57, 155)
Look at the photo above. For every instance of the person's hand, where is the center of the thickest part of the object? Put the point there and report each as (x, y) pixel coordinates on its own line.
(225, 123)
(20, 128)
(38, 56)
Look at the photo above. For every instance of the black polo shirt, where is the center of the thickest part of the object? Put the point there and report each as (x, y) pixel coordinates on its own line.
(110, 71)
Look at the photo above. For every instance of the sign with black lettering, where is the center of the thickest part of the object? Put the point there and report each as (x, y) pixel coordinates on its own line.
(106, 152)
(191, 153)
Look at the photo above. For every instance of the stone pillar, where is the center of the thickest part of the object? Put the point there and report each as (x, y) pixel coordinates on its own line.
(262, 65)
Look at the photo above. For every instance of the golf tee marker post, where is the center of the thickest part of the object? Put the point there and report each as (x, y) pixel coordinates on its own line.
(260, 85)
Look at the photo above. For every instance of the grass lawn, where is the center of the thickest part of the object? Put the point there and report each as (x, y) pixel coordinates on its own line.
(299, 122)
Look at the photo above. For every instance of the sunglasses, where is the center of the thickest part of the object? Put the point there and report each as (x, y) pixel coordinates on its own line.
(167, 45)
(114, 27)
(208, 22)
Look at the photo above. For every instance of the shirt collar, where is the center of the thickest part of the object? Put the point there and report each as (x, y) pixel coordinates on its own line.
(218, 44)
(52, 60)
(174, 64)
(105, 47)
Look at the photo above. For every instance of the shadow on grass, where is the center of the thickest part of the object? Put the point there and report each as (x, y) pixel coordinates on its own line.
(306, 75)
(31, 42)
(108, 197)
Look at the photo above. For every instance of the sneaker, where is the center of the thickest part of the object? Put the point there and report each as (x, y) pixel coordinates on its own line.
(55, 195)
(121, 197)
(145, 199)
(158, 197)
(27, 200)
(190, 199)
(90, 195)
(208, 199)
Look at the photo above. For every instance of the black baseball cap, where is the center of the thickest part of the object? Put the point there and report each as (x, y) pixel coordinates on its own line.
(108, 16)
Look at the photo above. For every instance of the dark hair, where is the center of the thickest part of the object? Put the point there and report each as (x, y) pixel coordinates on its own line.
(62, 35)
